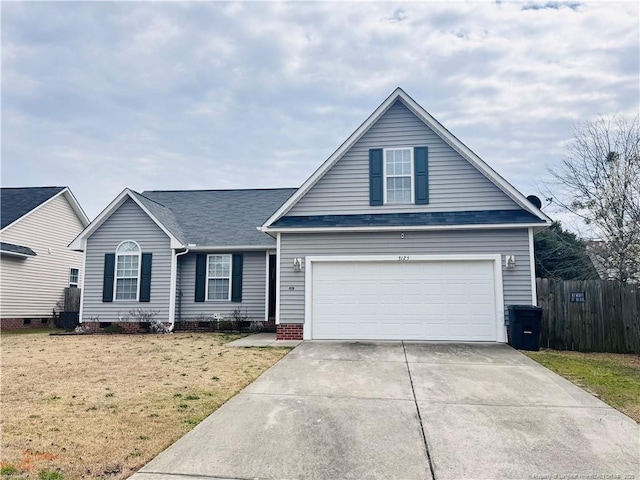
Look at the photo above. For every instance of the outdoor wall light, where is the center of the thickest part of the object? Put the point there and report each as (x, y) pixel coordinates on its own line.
(297, 264)
(510, 262)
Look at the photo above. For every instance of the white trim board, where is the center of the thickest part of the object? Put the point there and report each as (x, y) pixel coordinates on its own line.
(437, 127)
(501, 329)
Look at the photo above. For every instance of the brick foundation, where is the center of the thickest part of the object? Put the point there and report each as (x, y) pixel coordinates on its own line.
(194, 326)
(181, 326)
(90, 327)
(24, 323)
(289, 331)
(191, 325)
(127, 327)
(270, 326)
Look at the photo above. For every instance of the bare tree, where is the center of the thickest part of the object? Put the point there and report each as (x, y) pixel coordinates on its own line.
(599, 181)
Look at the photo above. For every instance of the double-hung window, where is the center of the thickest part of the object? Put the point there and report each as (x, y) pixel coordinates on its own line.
(398, 175)
(74, 273)
(219, 277)
(127, 271)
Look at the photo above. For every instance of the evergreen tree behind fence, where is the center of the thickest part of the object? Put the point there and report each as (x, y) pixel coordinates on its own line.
(589, 315)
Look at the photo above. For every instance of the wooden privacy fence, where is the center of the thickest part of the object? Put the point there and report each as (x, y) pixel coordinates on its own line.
(589, 315)
(72, 299)
(69, 318)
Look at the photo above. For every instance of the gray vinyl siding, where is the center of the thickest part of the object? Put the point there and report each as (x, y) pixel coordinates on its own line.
(253, 290)
(31, 287)
(128, 222)
(516, 282)
(454, 184)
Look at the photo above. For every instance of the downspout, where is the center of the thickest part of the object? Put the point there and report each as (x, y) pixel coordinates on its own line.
(173, 317)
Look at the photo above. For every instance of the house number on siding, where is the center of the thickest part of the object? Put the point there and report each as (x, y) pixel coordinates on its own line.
(403, 258)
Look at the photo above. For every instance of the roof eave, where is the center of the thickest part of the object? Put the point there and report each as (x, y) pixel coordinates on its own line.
(404, 228)
(77, 208)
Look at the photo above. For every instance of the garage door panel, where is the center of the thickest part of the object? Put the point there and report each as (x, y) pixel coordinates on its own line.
(435, 300)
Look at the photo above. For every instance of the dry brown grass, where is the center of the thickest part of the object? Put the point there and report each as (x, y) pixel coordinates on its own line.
(101, 406)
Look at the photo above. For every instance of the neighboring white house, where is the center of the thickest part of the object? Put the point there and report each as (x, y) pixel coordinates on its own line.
(38, 223)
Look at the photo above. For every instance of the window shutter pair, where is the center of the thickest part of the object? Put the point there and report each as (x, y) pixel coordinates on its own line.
(420, 173)
(236, 277)
(109, 277)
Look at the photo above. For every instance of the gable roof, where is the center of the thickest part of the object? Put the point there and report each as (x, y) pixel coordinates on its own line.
(201, 219)
(400, 95)
(16, 203)
(80, 242)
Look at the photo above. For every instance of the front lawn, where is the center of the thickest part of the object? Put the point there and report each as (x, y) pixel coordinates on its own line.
(614, 378)
(101, 406)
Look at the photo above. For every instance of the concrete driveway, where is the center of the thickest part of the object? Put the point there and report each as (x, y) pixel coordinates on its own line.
(409, 410)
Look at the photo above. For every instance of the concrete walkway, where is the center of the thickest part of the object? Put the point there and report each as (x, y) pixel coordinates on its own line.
(406, 411)
(263, 340)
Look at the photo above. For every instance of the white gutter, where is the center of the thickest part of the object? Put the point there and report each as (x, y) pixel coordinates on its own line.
(82, 292)
(173, 287)
(278, 246)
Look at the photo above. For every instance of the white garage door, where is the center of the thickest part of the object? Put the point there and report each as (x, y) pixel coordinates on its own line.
(421, 300)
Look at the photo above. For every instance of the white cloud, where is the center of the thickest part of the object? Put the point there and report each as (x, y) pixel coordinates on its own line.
(225, 95)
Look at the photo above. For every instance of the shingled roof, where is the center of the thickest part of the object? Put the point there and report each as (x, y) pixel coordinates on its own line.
(164, 215)
(17, 202)
(216, 217)
(13, 249)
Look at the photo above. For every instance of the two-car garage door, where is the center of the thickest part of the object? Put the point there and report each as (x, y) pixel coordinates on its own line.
(408, 300)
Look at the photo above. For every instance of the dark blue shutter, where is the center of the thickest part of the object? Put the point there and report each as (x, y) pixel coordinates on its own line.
(236, 277)
(201, 276)
(421, 171)
(145, 278)
(107, 278)
(375, 177)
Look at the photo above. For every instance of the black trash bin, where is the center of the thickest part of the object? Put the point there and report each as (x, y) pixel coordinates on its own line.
(68, 320)
(524, 327)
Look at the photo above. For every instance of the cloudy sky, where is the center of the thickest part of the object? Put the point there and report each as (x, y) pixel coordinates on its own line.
(209, 95)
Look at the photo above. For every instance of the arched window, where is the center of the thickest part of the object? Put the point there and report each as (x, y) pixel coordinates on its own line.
(127, 270)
